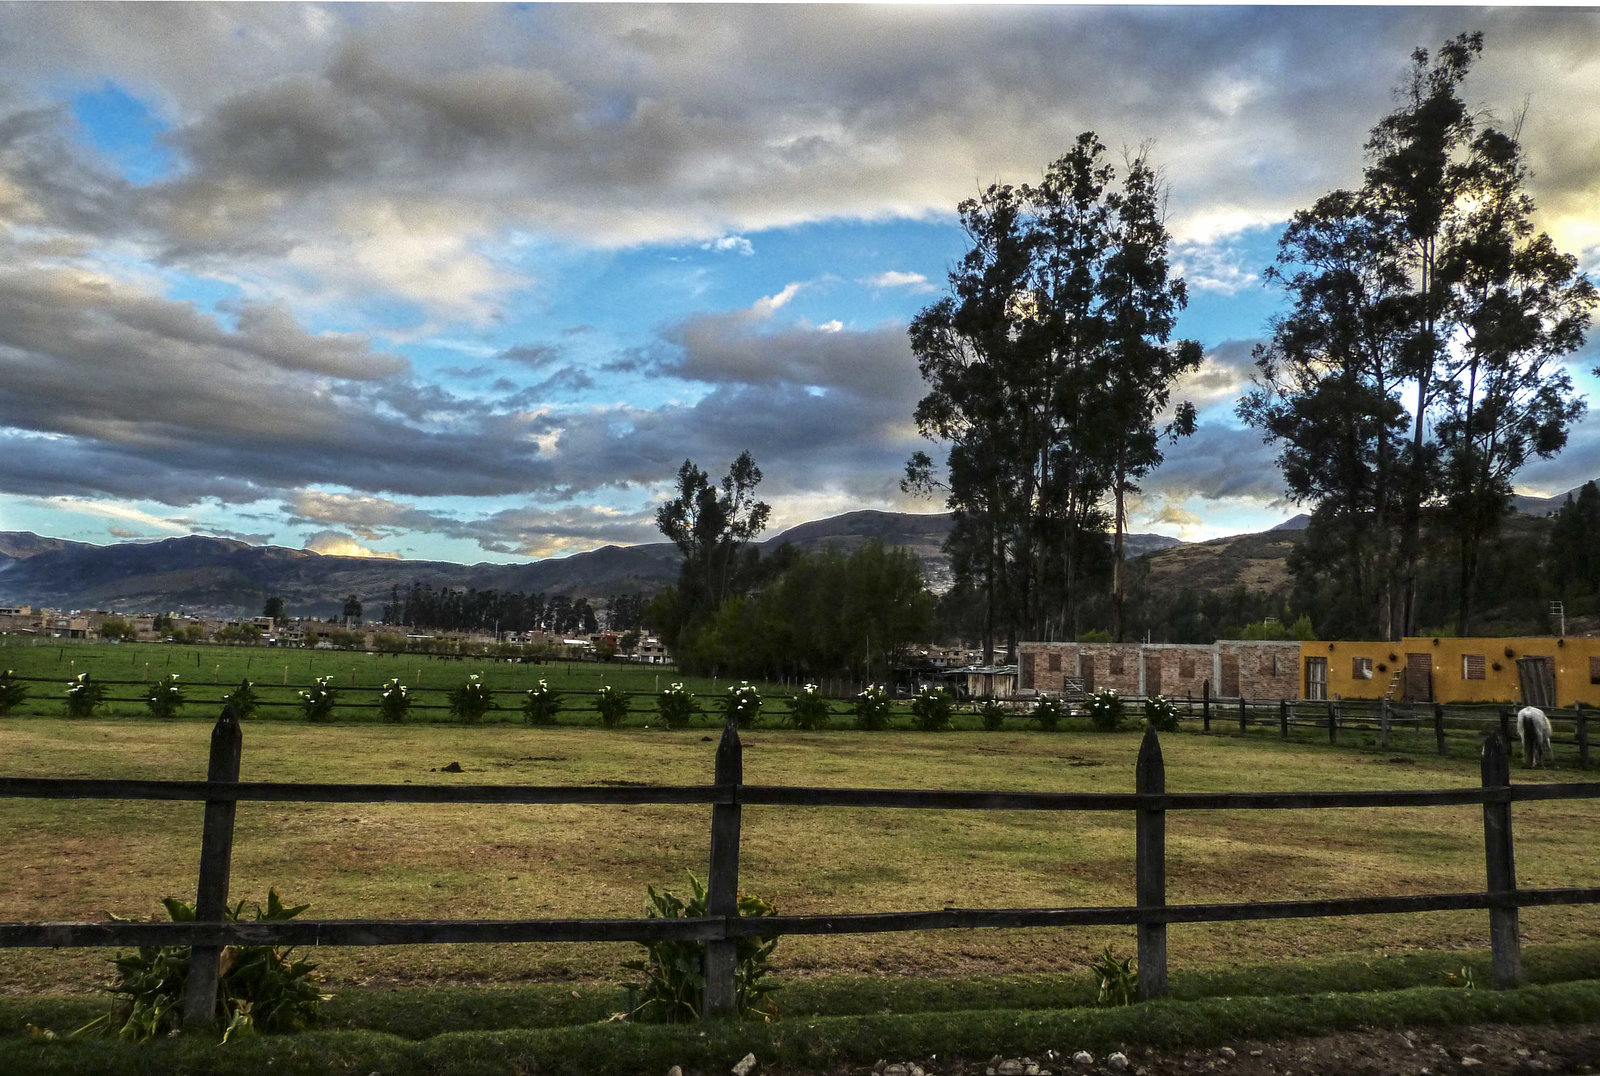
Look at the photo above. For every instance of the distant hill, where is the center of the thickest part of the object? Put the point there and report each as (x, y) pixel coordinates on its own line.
(1258, 562)
(221, 576)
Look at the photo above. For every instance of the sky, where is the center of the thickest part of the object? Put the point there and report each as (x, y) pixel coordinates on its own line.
(469, 283)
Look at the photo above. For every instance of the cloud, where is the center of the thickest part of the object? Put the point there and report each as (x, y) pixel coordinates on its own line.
(124, 532)
(736, 244)
(1218, 461)
(335, 544)
(914, 282)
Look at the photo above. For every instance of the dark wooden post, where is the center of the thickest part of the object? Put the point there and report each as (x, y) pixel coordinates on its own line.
(1150, 775)
(1333, 723)
(1438, 728)
(1583, 738)
(1383, 723)
(1505, 727)
(1244, 720)
(216, 863)
(1205, 706)
(1501, 864)
(722, 885)
(1283, 719)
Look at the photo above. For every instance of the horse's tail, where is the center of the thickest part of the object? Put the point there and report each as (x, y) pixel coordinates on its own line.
(1530, 737)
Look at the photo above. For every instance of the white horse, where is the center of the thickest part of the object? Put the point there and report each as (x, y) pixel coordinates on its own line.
(1533, 729)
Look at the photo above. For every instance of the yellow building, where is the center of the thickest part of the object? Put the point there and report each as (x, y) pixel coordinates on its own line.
(1542, 671)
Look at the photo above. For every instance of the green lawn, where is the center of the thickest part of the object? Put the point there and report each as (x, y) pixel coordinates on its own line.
(73, 861)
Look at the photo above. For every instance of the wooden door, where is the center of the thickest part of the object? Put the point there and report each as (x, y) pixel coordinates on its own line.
(1538, 679)
(1419, 678)
(1317, 679)
(1229, 688)
(1152, 674)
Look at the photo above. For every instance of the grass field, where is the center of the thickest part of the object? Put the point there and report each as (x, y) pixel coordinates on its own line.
(73, 861)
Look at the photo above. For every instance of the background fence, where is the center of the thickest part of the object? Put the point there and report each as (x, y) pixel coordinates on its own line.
(727, 796)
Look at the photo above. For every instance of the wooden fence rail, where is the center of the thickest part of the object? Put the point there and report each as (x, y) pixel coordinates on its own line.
(727, 796)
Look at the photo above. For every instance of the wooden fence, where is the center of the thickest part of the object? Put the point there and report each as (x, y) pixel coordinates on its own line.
(727, 796)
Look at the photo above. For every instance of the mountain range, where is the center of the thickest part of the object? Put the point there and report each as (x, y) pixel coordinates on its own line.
(221, 576)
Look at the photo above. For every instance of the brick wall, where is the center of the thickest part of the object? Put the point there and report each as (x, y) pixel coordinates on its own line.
(1260, 670)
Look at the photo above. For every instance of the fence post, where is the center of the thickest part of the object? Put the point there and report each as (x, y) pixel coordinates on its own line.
(1205, 706)
(1505, 727)
(1501, 866)
(1383, 723)
(1244, 721)
(1583, 738)
(1150, 775)
(722, 885)
(1283, 719)
(1438, 728)
(1333, 723)
(216, 862)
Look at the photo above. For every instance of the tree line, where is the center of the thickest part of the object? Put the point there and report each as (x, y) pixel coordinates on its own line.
(419, 605)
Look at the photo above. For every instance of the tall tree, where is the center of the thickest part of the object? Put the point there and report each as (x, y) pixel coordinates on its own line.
(273, 607)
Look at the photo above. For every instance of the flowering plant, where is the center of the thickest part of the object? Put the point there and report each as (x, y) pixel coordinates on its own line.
(317, 703)
(1049, 711)
(809, 710)
(243, 699)
(471, 700)
(993, 713)
(676, 704)
(932, 709)
(611, 704)
(742, 704)
(541, 704)
(1161, 713)
(83, 695)
(165, 697)
(872, 708)
(1105, 709)
(394, 702)
(11, 692)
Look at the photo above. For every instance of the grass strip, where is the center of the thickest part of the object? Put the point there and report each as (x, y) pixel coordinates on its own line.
(817, 1043)
(423, 1013)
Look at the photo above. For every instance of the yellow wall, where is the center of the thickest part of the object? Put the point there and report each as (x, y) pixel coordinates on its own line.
(1571, 657)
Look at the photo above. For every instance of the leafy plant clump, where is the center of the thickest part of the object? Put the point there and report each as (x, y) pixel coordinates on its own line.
(470, 701)
(808, 710)
(83, 695)
(932, 708)
(541, 704)
(317, 701)
(872, 708)
(394, 702)
(673, 974)
(1118, 979)
(677, 706)
(1105, 710)
(1161, 713)
(611, 705)
(259, 987)
(243, 699)
(742, 704)
(165, 697)
(1048, 711)
(993, 714)
(12, 691)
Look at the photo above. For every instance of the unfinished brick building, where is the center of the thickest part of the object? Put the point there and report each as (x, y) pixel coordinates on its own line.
(1227, 669)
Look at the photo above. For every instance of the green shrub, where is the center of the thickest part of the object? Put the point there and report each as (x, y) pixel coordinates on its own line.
(809, 710)
(165, 697)
(611, 705)
(259, 987)
(674, 984)
(470, 701)
(317, 702)
(541, 704)
(1161, 713)
(1118, 979)
(872, 708)
(742, 704)
(394, 702)
(1104, 709)
(12, 691)
(676, 705)
(1048, 711)
(932, 708)
(993, 713)
(83, 695)
(243, 699)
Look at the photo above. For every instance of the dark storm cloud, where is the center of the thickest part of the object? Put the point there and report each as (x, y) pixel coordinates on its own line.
(1218, 461)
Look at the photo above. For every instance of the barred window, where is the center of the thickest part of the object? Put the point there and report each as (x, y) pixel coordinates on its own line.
(1116, 664)
(1472, 667)
(1055, 661)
